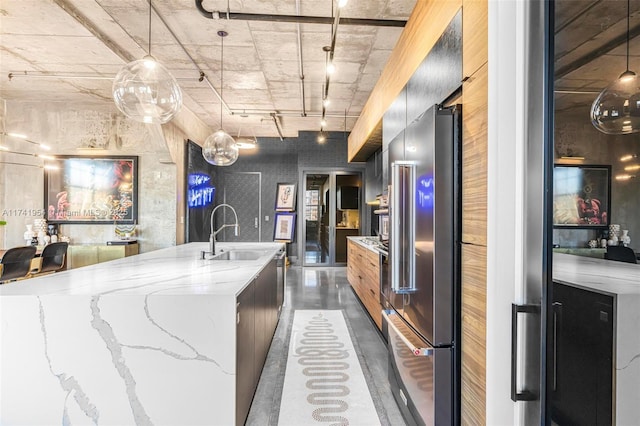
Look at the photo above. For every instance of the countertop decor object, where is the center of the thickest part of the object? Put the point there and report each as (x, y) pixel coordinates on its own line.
(145, 91)
(147, 339)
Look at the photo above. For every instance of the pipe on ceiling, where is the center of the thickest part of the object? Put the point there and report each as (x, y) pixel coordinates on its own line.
(275, 121)
(300, 64)
(234, 16)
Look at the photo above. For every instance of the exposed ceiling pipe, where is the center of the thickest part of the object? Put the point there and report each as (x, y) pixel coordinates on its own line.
(287, 113)
(300, 64)
(277, 123)
(233, 16)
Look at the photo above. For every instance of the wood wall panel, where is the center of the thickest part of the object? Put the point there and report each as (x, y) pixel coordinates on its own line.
(475, 33)
(424, 27)
(474, 306)
(474, 158)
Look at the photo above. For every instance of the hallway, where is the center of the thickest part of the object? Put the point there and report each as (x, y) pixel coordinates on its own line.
(324, 288)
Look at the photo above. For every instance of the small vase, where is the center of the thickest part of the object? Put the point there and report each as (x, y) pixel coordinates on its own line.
(28, 235)
(41, 238)
(625, 238)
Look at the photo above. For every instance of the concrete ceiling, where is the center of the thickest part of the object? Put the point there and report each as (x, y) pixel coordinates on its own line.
(90, 40)
(590, 48)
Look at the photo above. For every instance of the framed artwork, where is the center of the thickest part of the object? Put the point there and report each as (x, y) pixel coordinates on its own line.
(285, 225)
(286, 197)
(581, 196)
(97, 189)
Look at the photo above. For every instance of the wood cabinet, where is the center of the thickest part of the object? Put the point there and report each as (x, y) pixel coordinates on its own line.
(89, 254)
(363, 273)
(256, 320)
(582, 344)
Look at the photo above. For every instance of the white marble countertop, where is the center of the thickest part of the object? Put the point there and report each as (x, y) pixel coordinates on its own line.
(604, 276)
(147, 339)
(177, 270)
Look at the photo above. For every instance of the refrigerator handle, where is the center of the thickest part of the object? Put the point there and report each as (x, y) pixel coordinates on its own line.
(394, 210)
(402, 189)
(416, 351)
(523, 395)
(410, 229)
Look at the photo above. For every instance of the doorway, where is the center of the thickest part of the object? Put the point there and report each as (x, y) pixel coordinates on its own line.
(242, 192)
(331, 212)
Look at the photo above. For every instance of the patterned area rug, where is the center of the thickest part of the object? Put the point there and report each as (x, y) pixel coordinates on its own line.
(323, 382)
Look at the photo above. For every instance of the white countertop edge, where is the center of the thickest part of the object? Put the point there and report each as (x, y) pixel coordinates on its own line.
(176, 270)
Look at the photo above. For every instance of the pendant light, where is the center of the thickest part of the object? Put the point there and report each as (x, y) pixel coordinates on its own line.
(145, 91)
(220, 149)
(616, 110)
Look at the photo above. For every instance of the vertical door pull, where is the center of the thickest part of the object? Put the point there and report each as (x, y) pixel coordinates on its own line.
(255, 222)
(557, 317)
(523, 395)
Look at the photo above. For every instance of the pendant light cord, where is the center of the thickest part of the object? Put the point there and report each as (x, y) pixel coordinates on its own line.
(221, 74)
(628, 18)
(150, 27)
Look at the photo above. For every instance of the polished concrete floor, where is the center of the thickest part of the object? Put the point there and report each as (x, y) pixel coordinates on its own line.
(324, 288)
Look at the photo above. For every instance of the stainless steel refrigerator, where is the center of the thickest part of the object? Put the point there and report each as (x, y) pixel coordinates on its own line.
(421, 293)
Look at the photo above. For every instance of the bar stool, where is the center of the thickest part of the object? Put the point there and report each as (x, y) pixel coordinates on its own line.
(52, 258)
(16, 263)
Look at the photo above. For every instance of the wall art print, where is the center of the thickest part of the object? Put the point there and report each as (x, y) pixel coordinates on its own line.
(92, 189)
(581, 196)
(286, 197)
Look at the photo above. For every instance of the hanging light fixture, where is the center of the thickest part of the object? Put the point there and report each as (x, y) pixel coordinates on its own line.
(616, 110)
(145, 91)
(220, 149)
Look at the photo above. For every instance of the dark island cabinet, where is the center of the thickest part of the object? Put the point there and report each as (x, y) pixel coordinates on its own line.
(581, 341)
(256, 320)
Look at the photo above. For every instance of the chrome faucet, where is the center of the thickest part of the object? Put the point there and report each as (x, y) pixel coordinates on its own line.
(212, 236)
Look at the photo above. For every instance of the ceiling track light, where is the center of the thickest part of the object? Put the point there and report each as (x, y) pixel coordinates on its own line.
(330, 66)
(145, 91)
(616, 110)
(220, 149)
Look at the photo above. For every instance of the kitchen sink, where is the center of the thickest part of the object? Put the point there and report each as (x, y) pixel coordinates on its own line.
(240, 255)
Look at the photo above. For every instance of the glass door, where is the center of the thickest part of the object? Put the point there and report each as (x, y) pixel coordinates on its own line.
(331, 213)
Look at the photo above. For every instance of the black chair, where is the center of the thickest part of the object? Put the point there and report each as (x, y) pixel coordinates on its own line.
(621, 254)
(52, 258)
(16, 263)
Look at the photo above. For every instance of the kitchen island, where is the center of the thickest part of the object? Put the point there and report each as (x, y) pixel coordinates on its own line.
(620, 281)
(147, 339)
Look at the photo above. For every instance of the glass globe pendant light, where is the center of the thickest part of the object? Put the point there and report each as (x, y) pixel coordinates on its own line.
(616, 110)
(145, 91)
(220, 149)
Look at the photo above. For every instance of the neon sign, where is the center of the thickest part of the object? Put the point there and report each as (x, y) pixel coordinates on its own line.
(200, 193)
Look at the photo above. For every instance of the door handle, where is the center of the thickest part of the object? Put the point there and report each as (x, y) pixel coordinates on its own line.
(557, 317)
(524, 395)
(255, 222)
